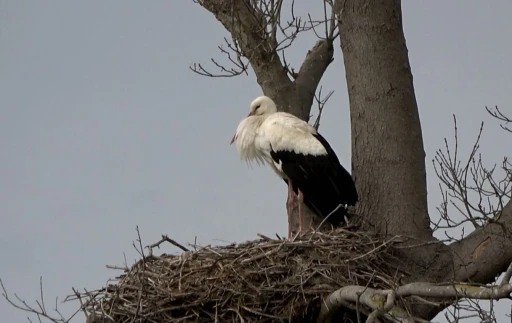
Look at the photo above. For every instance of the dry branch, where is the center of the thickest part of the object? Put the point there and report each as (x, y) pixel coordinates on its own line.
(485, 200)
(383, 302)
(259, 35)
(40, 309)
(321, 102)
(496, 113)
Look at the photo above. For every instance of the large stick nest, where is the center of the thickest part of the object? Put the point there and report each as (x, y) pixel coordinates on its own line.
(267, 280)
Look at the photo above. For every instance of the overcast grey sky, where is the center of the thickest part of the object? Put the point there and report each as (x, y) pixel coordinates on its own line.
(103, 127)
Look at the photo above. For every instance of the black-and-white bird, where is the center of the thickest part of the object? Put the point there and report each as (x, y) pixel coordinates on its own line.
(299, 155)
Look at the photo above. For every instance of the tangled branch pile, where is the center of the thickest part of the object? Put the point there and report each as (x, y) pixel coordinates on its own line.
(267, 280)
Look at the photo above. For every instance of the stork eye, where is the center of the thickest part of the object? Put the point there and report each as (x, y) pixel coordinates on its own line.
(257, 107)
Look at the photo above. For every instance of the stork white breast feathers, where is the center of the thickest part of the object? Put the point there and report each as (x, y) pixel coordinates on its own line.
(299, 155)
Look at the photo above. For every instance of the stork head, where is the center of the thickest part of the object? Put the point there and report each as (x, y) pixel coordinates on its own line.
(262, 105)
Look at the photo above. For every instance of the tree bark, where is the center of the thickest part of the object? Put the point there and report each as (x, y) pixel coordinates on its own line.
(486, 252)
(388, 159)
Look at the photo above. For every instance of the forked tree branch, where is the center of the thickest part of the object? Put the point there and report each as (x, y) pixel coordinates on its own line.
(476, 192)
(253, 25)
(312, 69)
(321, 102)
(383, 302)
(40, 309)
(487, 251)
(507, 121)
(380, 303)
(246, 23)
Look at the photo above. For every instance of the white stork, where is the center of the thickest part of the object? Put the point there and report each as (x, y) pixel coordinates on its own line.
(299, 155)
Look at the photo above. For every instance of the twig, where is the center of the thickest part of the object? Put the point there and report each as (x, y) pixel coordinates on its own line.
(165, 238)
(41, 310)
(321, 104)
(468, 186)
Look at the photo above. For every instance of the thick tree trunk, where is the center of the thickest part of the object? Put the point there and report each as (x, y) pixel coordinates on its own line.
(388, 159)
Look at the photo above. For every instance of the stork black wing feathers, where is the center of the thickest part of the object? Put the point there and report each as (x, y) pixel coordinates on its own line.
(324, 182)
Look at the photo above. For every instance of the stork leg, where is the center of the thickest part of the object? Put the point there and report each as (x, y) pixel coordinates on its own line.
(289, 207)
(301, 211)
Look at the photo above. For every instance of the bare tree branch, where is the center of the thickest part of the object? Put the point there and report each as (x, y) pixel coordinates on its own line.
(468, 186)
(500, 116)
(321, 101)
(379, 301)
(487, 251)
(165, 238)
(248, 27)
(40, 311)
(383, 302)
(482, 196)
(233, 55)
(253, 26)
(312, 69)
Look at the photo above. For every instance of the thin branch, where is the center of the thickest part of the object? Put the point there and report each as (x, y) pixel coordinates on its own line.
(165, 238)
(39, 311)
(496, 113)
(321, 104)
(469, 187)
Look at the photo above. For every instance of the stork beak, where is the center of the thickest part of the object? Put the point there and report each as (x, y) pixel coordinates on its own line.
(234, 136)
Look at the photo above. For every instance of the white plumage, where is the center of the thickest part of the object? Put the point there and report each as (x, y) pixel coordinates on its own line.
(299, 155)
